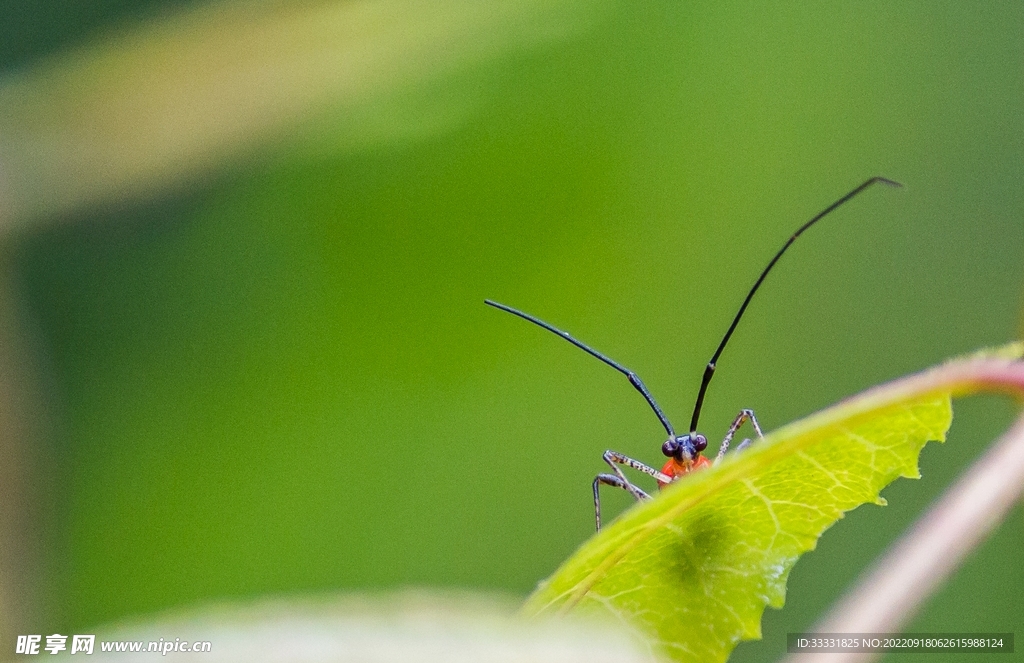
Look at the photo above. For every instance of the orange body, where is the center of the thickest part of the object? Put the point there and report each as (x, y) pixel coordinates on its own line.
(677, 468)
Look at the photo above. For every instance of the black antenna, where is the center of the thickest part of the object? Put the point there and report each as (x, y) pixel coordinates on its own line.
(709, 372)
(634, 379)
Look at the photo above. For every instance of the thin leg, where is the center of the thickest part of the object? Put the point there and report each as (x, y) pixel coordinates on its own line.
(617, 482)
(743, 416)
(614, 459)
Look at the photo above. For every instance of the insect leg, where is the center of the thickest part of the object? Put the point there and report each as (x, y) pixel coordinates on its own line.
(614, 459)
(743, 416)
(617, 482)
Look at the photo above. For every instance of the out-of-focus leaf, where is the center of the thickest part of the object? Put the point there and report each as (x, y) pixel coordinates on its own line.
(141, 110)
(412, 627)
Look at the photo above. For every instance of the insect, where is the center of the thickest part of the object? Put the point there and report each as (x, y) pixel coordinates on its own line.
(683, 451)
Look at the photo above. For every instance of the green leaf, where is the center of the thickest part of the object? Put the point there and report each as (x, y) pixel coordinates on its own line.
(693, 570)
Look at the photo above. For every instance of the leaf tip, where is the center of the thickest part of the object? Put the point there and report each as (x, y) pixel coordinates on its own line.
(911, 472)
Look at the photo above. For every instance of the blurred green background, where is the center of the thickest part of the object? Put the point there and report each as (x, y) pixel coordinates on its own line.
(267, 368)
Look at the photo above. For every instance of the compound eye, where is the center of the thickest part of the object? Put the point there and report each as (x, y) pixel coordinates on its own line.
(683, 446)
(700, 443)
(669, 448)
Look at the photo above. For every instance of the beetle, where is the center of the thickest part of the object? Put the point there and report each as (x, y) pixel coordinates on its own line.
(684, 452)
